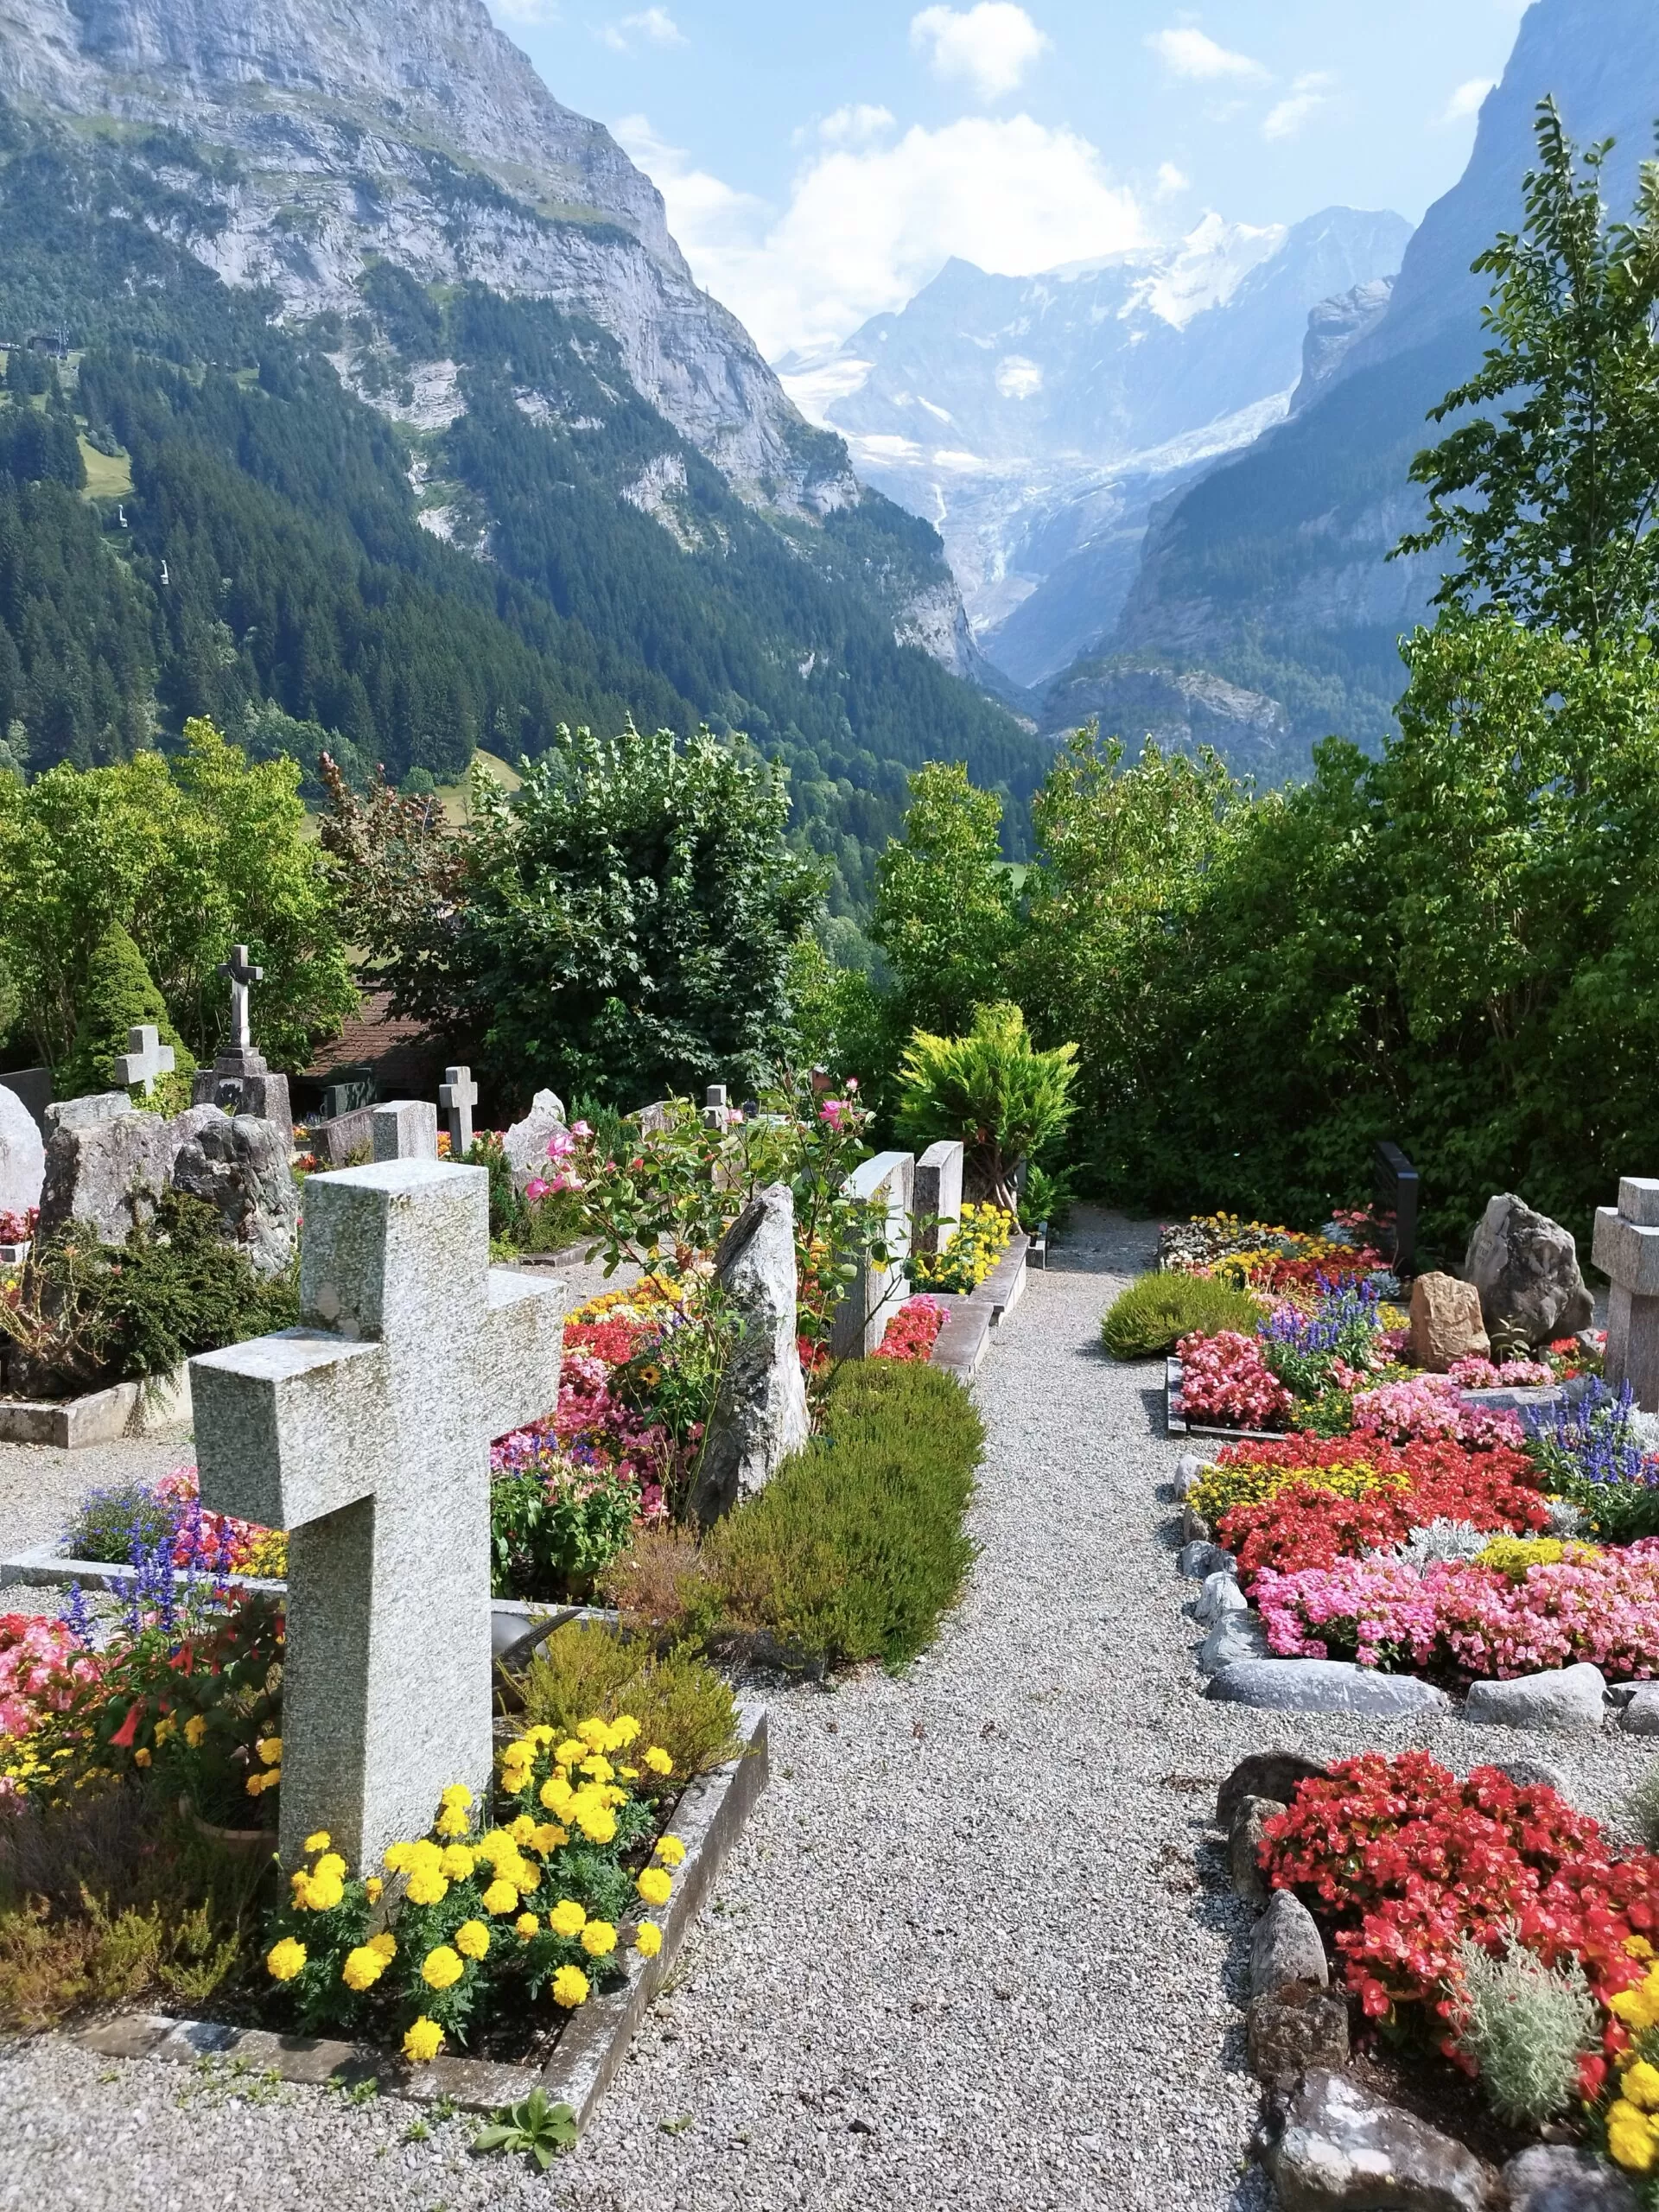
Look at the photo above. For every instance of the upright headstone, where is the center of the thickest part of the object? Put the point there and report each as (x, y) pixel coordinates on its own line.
(346, 1095)
(1526, 1268)
(407, 1129)
(239, 1164)
(759, 1414)
(34, 1087)
(653, 1120)
(23, 1157)
(457, 1096)
(345, 1142)
(145, 1058)
(875, 1293)
(1626, 1249)
(106, 1174)
(716, 1114)
(86, 1113)
(937, 1213)
(240, 1080)
(524, 1145)
(365, 1434)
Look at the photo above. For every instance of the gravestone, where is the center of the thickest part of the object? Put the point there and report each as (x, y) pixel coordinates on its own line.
(23, 1156)
(145, 1058)
(365, 1434)
(1626, 1249)
(86, 1113)
(407, 1129)
(759, 1414)
(345, 1142)
(937, 1211)
(346, 1095)
(106, 1175)
(104, 1172)
(240, 1080)
(652, 1120)
(1398, 1188)
(34, 1087)
(524, 1145)
(457, 1096)
(876, 1293)
(239, 1164)
(1526, 1268)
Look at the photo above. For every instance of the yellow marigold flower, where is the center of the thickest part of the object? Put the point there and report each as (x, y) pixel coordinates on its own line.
(624, 1729)
(423, 2041)
(325, 1892)
(385, 1942)
(398, 1856)
(528, 1925)
(522, 1830)
(495, 1844)
(285, 1959)
(195, 1729)
(1640, 2086)
(363, 1968)
(541, 1734)
(426, 1854)
(452, 1820)
(441, 1967)
(472, 1939)
(597, 1769)
(1630, 2138)
(659, 1760)
(655, 1885)
(375, 1888)
(322, 1840)
(671, 1851)
(1639, 1947)
(566, 1918)
(557, 1795)
(594, 1733)
(164, 1728)
(599, 1939)
(427, 1888)
(649, 1940)
(569, 1987)
(141, 1757)
(458, 1794)
(330, 1866)
(269, 1749)
(597, 1822)
(1636, 2007)
(500, 1898)
(548, 1838)
(629, 1773)
(569, 1752)
(255, 1785)
(457, 1862)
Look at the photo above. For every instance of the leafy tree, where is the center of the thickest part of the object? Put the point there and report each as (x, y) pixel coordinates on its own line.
(945, 910)
(1551, 508)
(118, 994)
(991, 1091)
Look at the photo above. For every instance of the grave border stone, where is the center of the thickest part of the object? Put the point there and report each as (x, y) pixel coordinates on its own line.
(123, 1409)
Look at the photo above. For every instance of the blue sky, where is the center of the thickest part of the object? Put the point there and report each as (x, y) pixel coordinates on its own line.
(822, 158)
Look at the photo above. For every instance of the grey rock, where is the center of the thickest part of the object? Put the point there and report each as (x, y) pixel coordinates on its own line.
(1563, 1700)
(347, 1138)
(1195, 1529)
(1291, 2029)
(1235, 1636)
(1641, 1715)
(23, 1156)
(1243, 1845)
(240, 1167)
(525, 1143)
(1189, 1473)
(1220, 1594)
(1343, 2151)
(1198, 1561)
(759, 1415)
(34, 1087)
(86, 1112)
(1285, 1945)
(105, 1174)
(1526, 1268)
(1324, 1686)
(1552, 2178)
(1266, 1774)
(1530, 1774)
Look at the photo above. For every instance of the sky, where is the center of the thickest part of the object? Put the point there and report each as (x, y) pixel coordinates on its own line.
(822, 159)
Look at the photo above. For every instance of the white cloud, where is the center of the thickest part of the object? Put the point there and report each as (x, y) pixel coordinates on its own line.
(866, 227)
(1189, 53)
(1467, 100)
(1171, 181)
(855, 127)
(652, 26)
(991, 45)
(526, 11)
(1307, 96)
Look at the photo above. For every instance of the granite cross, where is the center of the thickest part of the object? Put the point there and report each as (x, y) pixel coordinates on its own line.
(1626, 1248)
(458, 1095)
(365, 1434)
(146, 1059)
(241, 973)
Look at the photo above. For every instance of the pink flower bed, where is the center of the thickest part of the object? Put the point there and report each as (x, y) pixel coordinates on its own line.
(1430, 1406)
(41, 1667)
(1224, 1378)
(1513, 1374)
(913, 1330)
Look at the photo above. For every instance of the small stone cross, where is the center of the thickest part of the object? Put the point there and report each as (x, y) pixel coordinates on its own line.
(1626, 1248)
(146, 1059)
(365, 1434)
(457, 1096)
(241, 972)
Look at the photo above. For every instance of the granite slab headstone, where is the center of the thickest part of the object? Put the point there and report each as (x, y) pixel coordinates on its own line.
(34, 1086)
(759, 1414)
(937, 1197)
(1626, 1248)
(23, 1156)
(874, 1296)
(405, 1128)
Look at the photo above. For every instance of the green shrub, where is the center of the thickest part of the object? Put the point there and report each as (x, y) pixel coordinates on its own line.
(1157, 1311)
(991, 1090)
(117, 995)
(678, 1699)
(1527, 2025)
(856, 1547)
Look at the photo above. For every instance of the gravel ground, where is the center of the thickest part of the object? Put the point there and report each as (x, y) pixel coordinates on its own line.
(976, 1948)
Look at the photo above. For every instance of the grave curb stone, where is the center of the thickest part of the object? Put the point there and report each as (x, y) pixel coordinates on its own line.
(104, 1416)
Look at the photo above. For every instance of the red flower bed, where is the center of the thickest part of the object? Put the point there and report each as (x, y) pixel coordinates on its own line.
(913, 1330)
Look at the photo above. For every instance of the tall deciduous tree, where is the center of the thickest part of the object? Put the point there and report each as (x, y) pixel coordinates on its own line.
(946, 914)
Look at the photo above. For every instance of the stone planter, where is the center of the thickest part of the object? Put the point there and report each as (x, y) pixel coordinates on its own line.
(100, 1417)
(593, 2042)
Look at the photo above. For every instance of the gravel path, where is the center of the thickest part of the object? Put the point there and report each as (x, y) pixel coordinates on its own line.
(976, 1948)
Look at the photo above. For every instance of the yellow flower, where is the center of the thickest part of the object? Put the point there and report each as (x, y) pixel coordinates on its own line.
(649, 1940)
(1638, 2008)
(598, 1769)
(522, 1830)
(256, 1784)
(569, 1752)
(598, 1939)
(269, 1749)
(1640, 2086)
(398, 1856)
(1629, 2138)
(452, 1820)
(374, 1888)
(141, 1758)
(441, 1968)
(569, 1987)
(472, 1939)
(629, 1773)
(557, 1795)
(285, 1959)
(550, 1838)
(331, 1866)
(528, 1925)
(423, 2041)
(1639, 1947)
(457, 1862)
(671, 1851)
(427, 1888)
(624, 1729)
(659, 1760)
(363, 1968)
(322, 1840)
(655, 1886)
(385, 1942)
(597, 1821)
(567, 1918)
(164, 1728)
(195, 1729)
(494, 1846)
(596, 1733)
(500, 1896)
(458, 1794)
(541, 1735)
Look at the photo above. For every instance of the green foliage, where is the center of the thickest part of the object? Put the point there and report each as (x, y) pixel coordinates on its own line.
(1527, 2026)
(678, 1699)
(553, 1538)
(117, 996)
(533, 2126)
(944, 902)
(993, 1090)
(856, 1547)
(1152, 1316)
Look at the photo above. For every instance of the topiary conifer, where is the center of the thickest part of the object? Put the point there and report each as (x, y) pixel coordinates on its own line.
(118, 995)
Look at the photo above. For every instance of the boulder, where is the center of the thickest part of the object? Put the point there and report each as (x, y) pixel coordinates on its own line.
(1529, 1774)
(1220, 1594)
(1189, 1473)
(1641, 1715)
(1294, 2029)
(1446, 1323)
(525, 1143)
(1286, 1946)
(1341, 2149)
(1324, 1686)
(106, 1175)
(1195, 1529)
(1236, 1636)
(1244, 1844)
(23, 1156)
(1562, 1701)
(1526, 1270)
(239, 1167)
(86, 1112)
(1551, 2178)
(759, 1415)
(1198, 1561)
(1266, 1774)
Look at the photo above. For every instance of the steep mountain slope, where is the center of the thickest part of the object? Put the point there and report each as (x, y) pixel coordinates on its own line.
(1034, 420)
(1272, 571)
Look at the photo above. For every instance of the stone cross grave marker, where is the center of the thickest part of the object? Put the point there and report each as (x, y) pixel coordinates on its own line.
(365, 1434)
(146, 1059)
(457, 1096)
(242, 973)
(1626, 1248)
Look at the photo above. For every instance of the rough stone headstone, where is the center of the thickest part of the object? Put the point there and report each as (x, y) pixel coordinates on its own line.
(239, 1167)
(345, 1142)
(365, 1434)
(1553, 2178)
(86, 1113)
(874, 1296)
(241, 1080)
(526, 1143)
(457, 1096)
(759, 1415)
(23, 1156)
(1324, 1686)
(938, 1197)
(1526, 1268)
(1446, 1324)
(1244, 1846)
(1277, 1775)
(1560, 1701)
(1286, 1946)
(145, 1058)
(1290, 2030)
(405, 1128)
(106, 1175)
(1626, 1248)
(1341, 2149)
(34, 1087)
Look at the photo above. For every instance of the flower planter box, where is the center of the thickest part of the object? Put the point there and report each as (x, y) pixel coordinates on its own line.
(593, 2042)
(100, 1417)
(1177, 1424)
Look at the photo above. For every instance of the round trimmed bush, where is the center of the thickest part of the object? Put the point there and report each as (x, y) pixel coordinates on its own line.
(1156, 1311)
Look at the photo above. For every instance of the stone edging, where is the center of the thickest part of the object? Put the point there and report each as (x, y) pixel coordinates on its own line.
(100, 1417)
(708, 1820)
(969, 1316)
(1176, 1423)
